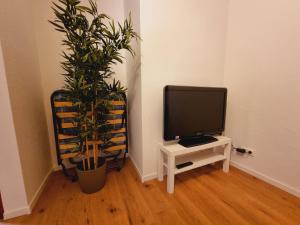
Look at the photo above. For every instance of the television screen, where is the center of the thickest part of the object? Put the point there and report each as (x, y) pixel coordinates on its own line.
(192, 111)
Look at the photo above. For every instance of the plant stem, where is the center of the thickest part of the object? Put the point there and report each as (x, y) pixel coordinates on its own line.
(93, 136)
(87, 153)
(95, 155)
(83, 164)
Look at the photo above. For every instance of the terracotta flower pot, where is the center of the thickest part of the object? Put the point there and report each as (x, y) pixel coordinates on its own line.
(92, 180)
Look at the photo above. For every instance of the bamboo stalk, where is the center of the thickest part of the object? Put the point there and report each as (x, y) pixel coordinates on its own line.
(83, 164)
(97, 150)
(94, 137)
(87, 153)
(95, 155)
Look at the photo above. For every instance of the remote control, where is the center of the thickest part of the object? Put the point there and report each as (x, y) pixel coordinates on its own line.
(179, 166)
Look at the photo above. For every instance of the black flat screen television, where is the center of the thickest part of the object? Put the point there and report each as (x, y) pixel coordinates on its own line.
(191, 112)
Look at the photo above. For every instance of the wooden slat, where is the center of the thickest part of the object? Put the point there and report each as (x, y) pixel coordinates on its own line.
(67, 125)
(117, 112)
(69, 155)
(70, 104)
(63, 104)
(122, 130)
(117, 102)
(71, 125)
(63, 136)
(116, 148)
(71, 145)
(67, 146)
(114, 121)
(117, 139)
(75, 114)
(69, 114)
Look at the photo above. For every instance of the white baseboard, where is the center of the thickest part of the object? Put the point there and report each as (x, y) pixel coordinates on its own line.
(17, 212)
(143, 178)
(137, 168)
(28, 209)
(267, 179)
(150, 176)
(39, 191)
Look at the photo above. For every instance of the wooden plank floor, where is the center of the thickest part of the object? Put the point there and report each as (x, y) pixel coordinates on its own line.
(203, 196)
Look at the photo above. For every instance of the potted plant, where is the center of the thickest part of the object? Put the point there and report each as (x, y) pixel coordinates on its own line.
(93, 43)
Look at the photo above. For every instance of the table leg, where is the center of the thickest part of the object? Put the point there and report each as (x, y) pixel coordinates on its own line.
(171, 170)
(227, 160)
(160, 166)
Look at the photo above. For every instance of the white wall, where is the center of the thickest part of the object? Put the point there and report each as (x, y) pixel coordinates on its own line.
(12, 190)
(25, 91)
(134, 95)
(262, 74)
(183, 44)
(49, 56)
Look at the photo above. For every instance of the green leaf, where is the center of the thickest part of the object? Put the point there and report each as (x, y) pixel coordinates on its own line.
(63, 2)
(85, 57)
(59, 7)
(56, 25)
(84, 9)
(93, 6)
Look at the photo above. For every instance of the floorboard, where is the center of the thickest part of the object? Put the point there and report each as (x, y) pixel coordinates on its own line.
(203, 196)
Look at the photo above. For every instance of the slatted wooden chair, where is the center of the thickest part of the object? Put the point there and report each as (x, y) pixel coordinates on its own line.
(66, 137)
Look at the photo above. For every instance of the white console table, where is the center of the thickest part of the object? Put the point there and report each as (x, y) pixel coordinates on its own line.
(173, 154)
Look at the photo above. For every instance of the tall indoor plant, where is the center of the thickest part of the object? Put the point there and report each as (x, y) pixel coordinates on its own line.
(93, 43)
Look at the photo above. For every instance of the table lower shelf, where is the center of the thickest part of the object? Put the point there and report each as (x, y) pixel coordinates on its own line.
(199, 159)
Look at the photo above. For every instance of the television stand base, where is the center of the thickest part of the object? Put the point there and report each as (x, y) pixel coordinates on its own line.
(195, 141)
(171, 155)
